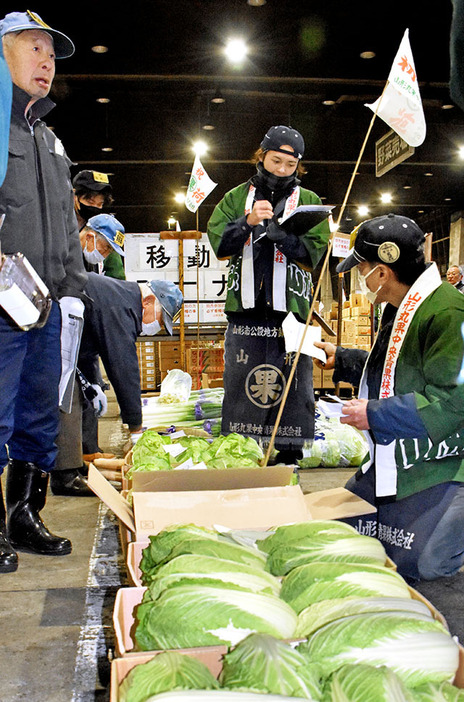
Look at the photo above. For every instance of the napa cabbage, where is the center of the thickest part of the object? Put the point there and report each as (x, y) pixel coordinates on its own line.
(365, 683)
(438, 692)
(312, 454)
(331, 547)
(218, 696)
(210, 570)
(262, 663)
(194, 615)
(303, 531)
(320, 613)
(326, 581)
(418, 650)
(161, 545)
(166, 671)
(335, 444)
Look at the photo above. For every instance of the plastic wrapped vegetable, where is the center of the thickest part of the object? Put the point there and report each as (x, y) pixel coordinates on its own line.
(335, 444)
(175, 387)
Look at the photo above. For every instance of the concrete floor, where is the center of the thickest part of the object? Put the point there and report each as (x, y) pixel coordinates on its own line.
(56, 618)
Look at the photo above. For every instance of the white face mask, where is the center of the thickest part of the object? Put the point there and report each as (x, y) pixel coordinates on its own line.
(150, 329)
(93, 256)
(371, 296)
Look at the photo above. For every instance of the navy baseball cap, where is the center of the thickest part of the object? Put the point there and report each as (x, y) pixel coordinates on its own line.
(92, 180)
(109, 227)
(384, 239)
(19, 21)
(170, 298)
(279, 136)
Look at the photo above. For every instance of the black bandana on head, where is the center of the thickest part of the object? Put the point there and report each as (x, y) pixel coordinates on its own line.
(273, 186)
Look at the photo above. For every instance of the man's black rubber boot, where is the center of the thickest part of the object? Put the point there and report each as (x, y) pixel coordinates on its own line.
(8, 556)
(70, 483)
(26, 491)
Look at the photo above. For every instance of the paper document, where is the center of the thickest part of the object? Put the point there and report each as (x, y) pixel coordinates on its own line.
(330, 409)
(293, 332)
(72, 322)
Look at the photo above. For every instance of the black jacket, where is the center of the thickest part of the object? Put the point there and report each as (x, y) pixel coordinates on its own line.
(112, 323)
(37, 199)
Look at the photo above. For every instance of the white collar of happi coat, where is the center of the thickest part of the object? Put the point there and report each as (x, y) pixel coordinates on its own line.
(384, 456)
(279, 277)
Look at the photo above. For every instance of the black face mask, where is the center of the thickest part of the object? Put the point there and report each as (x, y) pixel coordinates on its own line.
(88, 211)
(279, 185)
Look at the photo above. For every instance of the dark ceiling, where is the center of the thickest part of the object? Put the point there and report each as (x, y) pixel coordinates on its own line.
(165, 62)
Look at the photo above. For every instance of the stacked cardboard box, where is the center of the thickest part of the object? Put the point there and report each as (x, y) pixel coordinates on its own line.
(360, 312)
(170, 356)
(200, 357)
(356, 322)
(149, 374)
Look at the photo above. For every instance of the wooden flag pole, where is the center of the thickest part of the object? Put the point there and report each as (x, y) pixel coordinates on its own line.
(316, 292)
(181, 236)
(197, 258)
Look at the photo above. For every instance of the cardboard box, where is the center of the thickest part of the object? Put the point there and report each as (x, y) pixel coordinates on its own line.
(128, 598)
(120, 667)
(358, 300)
(212, 658)
(233, 498)
(243, 498)
(335, 503)
(327, 379)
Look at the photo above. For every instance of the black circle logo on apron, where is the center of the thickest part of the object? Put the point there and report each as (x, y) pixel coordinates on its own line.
(265, 385)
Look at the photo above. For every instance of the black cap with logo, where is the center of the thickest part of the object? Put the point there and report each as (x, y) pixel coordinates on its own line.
(384, 239)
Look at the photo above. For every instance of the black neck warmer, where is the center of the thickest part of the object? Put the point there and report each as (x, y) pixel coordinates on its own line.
(271, 186)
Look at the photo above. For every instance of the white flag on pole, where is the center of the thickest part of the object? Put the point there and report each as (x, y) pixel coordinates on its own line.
(400, 105)
(199, 187)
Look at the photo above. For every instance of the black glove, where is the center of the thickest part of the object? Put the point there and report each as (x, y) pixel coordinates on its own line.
(274, 232)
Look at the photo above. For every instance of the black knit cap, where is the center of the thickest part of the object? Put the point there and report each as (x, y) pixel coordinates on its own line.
(384, 239)
(284, 136)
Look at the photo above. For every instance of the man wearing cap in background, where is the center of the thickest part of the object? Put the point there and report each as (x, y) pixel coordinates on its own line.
(268, 277)
(36, 198)
(116, 313)
(92, 193)
(410, 405)
(102, 234)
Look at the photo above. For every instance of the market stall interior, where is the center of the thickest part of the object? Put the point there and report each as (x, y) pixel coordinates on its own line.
(142, 95)
(145, 84)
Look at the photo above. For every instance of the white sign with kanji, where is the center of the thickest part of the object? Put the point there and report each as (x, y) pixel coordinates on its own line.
(148, 257)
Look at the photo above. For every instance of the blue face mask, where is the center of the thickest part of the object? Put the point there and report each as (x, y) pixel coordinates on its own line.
(93, 256)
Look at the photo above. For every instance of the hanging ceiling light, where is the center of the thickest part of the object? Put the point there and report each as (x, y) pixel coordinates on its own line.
(256, 3)
(218, 98)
